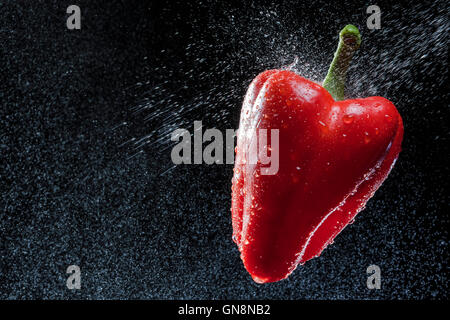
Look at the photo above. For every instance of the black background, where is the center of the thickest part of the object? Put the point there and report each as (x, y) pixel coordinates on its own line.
(79, 186)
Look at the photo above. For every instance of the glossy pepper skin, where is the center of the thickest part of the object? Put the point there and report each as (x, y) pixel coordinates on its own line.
(333, 156)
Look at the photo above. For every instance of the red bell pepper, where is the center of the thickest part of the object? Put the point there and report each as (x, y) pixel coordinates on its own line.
(333, 155)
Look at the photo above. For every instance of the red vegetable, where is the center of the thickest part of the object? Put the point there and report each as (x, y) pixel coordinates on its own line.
(333, 156)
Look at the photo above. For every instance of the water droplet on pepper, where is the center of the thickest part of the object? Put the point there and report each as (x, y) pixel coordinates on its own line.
(348, 119)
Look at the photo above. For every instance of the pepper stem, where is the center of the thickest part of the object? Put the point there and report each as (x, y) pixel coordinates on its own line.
(349, 42)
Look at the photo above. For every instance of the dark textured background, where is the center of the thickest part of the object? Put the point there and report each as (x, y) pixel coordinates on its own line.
(77, 189)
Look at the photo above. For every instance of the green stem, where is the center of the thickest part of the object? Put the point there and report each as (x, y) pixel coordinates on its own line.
(349, 42)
